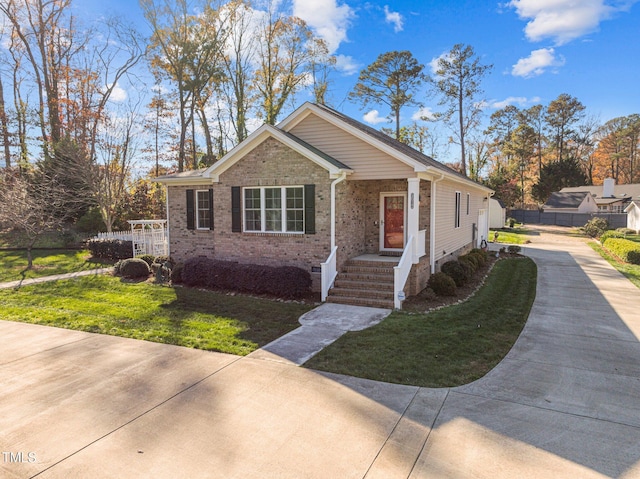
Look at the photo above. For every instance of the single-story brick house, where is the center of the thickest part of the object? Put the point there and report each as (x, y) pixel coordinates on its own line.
(320, 190)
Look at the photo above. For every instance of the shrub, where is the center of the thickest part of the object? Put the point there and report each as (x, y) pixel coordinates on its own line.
(471, 260)
(176, 273)
(456, 271)
(134, 268)
(595, 227)
(110, 248)
(627, 250)
(514, 249)
(610, 234)
(626, 231)
(511, 222)
(147, 258)
(480, 257)
(468, 266)
(283, 282)
(442, 284)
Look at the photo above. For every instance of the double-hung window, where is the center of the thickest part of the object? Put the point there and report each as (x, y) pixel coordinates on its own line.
(203, 209)
(274, 209)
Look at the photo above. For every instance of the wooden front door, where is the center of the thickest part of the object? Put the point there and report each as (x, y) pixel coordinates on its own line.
(392, 221)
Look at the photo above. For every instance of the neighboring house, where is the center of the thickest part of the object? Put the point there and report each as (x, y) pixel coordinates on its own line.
(633, 215)
(320, 190)
(571, 202)
(609, 197)
(497, 213)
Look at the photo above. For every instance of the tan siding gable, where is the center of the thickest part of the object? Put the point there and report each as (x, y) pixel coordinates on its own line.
(368, 162)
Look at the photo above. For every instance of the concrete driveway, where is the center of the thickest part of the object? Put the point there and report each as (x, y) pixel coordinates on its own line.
(565, 403)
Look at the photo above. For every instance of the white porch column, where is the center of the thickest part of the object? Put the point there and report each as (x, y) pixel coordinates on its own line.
(413, 212)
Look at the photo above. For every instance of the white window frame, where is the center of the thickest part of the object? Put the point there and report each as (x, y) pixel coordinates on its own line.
(458, 207)
(263, 209)
(198, 209)
(468, 203)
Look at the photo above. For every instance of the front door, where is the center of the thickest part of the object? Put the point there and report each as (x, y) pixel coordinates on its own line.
(392, 221)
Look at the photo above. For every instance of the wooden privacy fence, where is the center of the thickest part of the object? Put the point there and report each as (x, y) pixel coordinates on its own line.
(615, 220)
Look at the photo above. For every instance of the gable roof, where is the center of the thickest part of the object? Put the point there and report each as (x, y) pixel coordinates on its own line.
(631, 205)
(566, 199)
(400, 151)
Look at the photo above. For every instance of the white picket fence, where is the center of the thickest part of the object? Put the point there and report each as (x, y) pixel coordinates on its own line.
(147, 237)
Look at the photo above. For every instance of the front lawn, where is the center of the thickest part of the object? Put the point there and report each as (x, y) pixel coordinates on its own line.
(511, 235)
(447, 347)
(13, 263)
(181, 316)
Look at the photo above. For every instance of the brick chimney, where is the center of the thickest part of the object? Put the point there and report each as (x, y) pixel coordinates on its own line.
(607, 187)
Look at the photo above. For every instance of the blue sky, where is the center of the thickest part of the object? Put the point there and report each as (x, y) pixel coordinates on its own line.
(589, 49)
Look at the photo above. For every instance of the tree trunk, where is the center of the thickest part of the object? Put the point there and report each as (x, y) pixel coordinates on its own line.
(4, 128)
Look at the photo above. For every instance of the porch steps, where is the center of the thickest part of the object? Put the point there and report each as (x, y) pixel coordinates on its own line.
(364, 283)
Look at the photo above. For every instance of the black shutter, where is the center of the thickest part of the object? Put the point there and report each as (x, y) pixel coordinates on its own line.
(210, 208)
(191, 210)
(310, 209)
(236, 210)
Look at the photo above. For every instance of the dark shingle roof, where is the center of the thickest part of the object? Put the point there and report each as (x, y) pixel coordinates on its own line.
(566, 199)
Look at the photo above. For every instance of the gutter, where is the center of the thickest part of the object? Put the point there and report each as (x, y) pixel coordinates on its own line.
(341, 178)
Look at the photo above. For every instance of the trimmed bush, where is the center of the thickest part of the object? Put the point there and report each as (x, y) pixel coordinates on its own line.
(110, 248)
(283, 282)
(467, 265)
(134, 268)
(627, 250)
(483, 253)
(514, 249)
(442, 284)
(610, 234)
(626, 231)
(595, 227)
(176, 273)
(147, 258)
(162, 259)
(471, 260)
(480, 258)
(456, 271)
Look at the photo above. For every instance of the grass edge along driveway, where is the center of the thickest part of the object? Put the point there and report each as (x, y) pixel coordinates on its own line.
(172, 315)
(444, 348)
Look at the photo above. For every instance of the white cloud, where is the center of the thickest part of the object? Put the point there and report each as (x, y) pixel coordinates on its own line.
(565, 20)
(329, 20)
(422, 113)
(433, 64)
(346, 64)
(537, 63)
(373, 118)
(394, 18)
(118, 94)
(514, 100)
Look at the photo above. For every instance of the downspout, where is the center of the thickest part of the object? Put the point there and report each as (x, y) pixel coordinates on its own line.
(166, 200)
(432, 226)
(341, 178)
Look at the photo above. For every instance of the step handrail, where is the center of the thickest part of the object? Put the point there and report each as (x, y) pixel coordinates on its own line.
(328, 273)
(401, 272)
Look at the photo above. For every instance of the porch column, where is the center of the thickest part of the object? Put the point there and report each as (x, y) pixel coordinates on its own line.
(413, 212)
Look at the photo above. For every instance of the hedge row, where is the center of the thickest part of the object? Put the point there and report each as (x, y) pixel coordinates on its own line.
(284, 281)
(110, 248)
(456, 273)
(627, 250)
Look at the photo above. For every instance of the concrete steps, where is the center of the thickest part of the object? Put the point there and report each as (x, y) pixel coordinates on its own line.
(364, 283)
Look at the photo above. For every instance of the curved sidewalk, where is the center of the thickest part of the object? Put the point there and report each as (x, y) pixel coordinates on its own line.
(563, 404)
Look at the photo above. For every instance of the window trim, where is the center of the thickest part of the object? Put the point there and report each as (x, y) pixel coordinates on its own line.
(283, 209)
(468, 203)
(458, 207)
(197, 209)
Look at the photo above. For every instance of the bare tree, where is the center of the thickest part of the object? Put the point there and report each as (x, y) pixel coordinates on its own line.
(457, 80)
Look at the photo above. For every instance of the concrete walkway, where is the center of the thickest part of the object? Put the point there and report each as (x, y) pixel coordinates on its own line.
(44, 279)
(563, 404)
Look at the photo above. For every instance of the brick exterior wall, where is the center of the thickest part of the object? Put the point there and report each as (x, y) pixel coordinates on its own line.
(274, 164)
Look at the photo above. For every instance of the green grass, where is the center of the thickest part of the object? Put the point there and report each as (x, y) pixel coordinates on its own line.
(631, 271)
(511, 235)
(182, 316)
(13, 263)
(448, 347)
